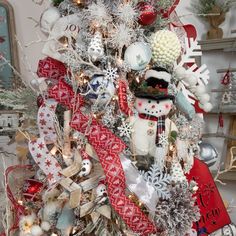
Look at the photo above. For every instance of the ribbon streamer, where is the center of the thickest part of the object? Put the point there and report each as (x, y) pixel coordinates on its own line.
(135, 182)
(108, 147)
(46, 114)
(47, 163)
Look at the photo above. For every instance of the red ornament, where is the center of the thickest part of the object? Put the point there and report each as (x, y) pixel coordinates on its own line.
(31, 189)
(40, 101)
(213, 212)
(148, 13)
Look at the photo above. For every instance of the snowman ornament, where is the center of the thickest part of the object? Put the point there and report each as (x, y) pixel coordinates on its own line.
(153, 104)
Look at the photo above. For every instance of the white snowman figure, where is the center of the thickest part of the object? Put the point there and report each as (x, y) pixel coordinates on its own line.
(153, 104)
(101, 193)
(86, 168)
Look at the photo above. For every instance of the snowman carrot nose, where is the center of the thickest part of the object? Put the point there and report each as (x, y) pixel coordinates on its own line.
(153, 106)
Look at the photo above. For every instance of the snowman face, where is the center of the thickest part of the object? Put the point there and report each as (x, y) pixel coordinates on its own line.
(153, 107)
(86, 168)
(101, 191)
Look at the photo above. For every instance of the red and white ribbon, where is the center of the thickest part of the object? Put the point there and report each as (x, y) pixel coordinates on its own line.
(108, 147)
(45, 160)
(46, 120)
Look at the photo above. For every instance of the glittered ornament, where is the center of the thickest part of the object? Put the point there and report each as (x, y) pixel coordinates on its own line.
(148, 13)
(138, 55)
(208, 153)
(166, 47)
(31, 189)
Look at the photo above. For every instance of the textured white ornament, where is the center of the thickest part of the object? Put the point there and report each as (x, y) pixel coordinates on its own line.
(96, 49)
(138, 55)
(45, 226)
(180, 72)
(36, 230)
(49, 18)
(166, 47)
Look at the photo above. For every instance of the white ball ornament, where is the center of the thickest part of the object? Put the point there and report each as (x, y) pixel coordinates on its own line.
(36, 230)
(45, 226)
(138, 55)
(35, 84)
(49, 18)
(166, 47)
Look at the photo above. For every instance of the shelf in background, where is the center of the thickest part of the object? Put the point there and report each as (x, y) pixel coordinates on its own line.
(226, 44)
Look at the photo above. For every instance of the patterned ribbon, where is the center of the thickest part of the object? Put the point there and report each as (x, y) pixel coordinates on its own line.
(44, 159)
(46, 114)
(108, 147)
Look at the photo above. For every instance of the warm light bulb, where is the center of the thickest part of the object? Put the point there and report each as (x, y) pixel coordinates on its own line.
(137, 79)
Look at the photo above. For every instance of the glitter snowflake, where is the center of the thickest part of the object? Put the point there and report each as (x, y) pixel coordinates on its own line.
(126, 129)
(163, 139)
(127, 13)
(122, 36)
(111, 73)
(108, 118)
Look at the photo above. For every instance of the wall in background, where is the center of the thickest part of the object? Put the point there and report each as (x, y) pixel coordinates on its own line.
(26, 33)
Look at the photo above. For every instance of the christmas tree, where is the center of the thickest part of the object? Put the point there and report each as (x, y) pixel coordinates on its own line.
(116, 148)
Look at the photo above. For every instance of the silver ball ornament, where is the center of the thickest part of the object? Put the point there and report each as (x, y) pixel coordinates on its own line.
(208, 153)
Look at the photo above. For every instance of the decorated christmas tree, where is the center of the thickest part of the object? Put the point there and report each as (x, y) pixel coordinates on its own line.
(119, 119)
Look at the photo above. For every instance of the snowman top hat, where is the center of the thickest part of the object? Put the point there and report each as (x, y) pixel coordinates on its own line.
(155, 85)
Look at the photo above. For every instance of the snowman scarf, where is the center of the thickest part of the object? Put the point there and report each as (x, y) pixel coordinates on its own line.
(160, 124)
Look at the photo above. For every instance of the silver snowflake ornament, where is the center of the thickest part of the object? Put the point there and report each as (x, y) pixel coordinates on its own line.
(126, 129)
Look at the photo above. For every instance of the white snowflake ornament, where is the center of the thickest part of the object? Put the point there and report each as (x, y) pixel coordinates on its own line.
(126, 129)
(163, 139)
(111, 73)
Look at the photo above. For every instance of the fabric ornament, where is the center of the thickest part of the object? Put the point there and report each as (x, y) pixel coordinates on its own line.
(46, 162)
(153, 103)
(212, 209)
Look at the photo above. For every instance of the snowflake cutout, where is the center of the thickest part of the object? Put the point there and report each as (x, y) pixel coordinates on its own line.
(163, 139)
(111, 73)
(126, 129)
(159, 180)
